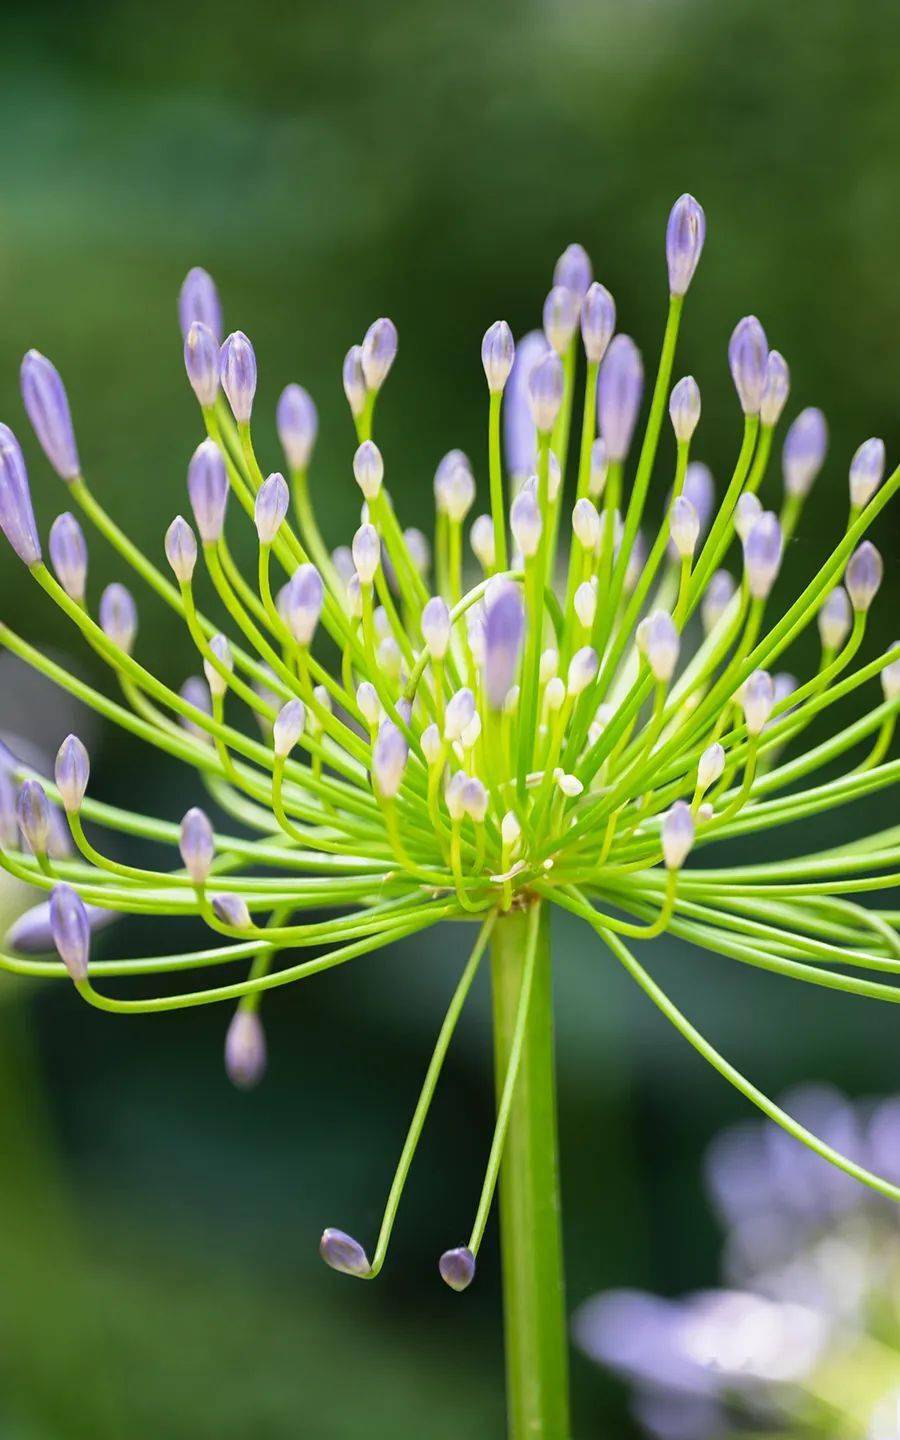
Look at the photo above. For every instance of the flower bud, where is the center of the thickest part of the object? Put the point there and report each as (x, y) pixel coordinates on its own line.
(585, 603)
(245, 1050)
(389, 756)
(685, 234)
(757, 700)
(231, 910)
(455, 795)
(197, 845)
(525, 523)
(435, 625)
(475, 797)
(366, 553)
(684, 409)
(343, 1253)
(554, 694)
(718, 596)
(711, 766)
(762, 554)
(367, 702)
(677, 834)
(746, 513)
(783, 685)
(288, 727)
(661, 644)
(599, 469)
(16, 514)
(504, 629)
(68, 552)
(498, 352)
(454, 486)
(481, 539)
(297, 423)
(569, 785)
(32, 933)
(803, 453)
(457, 1268)
(303, 603)
(181, 549)
(71, 772)
(548, 665)
(583, 667)
(354, 380)
(748, 358)
(510, 830)
(862, 576)
(620, 386)
(561, 309)
(598, 322)
(201, 362)
(195, 692)
(866, 471)
(208, 490)
(684, 526)
(418, 548)
(573, 270)
(378, 352)
(890, 675)
(368, 469)
(545, 390)
(431, 743)
(71, 930)
(237, 371)
(270, 507)
(586, 524)
(33, 812)
(834, 618)
(199, 301)
(700, 489)
(776, 389)
(217, 682)
(354, 596)
(459, 713)
(518, 423)
(47, 406)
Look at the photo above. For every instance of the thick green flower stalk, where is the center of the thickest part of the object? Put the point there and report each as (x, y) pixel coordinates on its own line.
(402, 745)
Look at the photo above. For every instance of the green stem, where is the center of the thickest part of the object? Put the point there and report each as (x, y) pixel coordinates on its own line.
(536, 1349)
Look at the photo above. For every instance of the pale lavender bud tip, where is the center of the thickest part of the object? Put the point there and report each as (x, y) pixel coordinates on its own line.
(684, 408)
(378, 352)
(199, 301)
(619, 389)
(803, 453)
(181, 549)
(677, 835)
(197, 845)
(454, 486)
(33, 811)
(47, 405)
(757, 699)
(270, 507)
(459, 713)
(573, 270)
(545, 390)
(457, 1268)
(297, 422)
(776, 389)
(435, 625)
(866, 471)
(582, 668)
(684, 524)
(354, 380)
(71, 930)
(863, 575)
(304, 598)
(598, 321)
(718, 596)
(288, 727)
(366, 550)
(389, 756)
(497, 355)
(561, 309)
(73, 768)
(118, 616)
(68, 553)
(368, 469)
(16, 513)
(525, 522)
(685, 234)
(245, 1050)
(231, 910)
(748, 358)
(661, 644)
(504, 629)
(762, 554)
(208, 490)
(201, 362)
(237, 371)
(834, 618)
(343, 1253)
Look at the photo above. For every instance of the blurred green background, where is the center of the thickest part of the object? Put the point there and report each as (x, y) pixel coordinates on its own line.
(330, 163)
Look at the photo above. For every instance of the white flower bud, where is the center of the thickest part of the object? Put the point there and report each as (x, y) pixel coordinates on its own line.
(460, 711)
(835, 619)
(554, 694)
(711, 766)
(510, 830)
(661, 644)
(455, 795)
(746, 513)
(890, 676)
(215, 680)
(368, 469)
(684, 527)
(435, 625)
(526, 523)
(548, 665)
(866, 471)
(366, 553)
(585, 602)
(481, 538)
(288, 727)
(368, 702)
(471, 733)
(677, 835)
(431, 743)
(582, 668)
(757, 700)
(684, 408)
(586, 524)
(570, 785)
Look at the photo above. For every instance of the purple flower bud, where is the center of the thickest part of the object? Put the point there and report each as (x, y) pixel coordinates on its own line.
(201, 362)
(303, 603)
(215, 679)
(73, 768)
(700, 489)
(573, 270)
(354, 380)
(208, 490)
(366, 553)
(518, 424)
(757, 699)
(660, 643)
(561, 309)
(389, 756)
(48, 410)
(582, 668)
(762, 554)
(684, 525)
(776, 389)
(455, 795)
(197, 845)
(803, 453)
(33, 812)
(71, 930)
(525, 522)
(834, 618)
(288, 727)
(245, 1050)
(68, 552)
(270, 507)
(545, 390)
(199, 301)
(619, 389)
(748, 357)
(343, 1253)
(866, 471)
(435, 623)
(118, 616)
(598, 321)
(32, 932)
(379, 351)
(454, 486)
(298, 424)
(16, 513)
(231, 910)
(863, 575)
(181, 549)
(368, 469)
(684, 408)
(457, 1267)
(237, 370)
(685, 234)
(718, 596)
(498, 352)
(504, 629)
(475, 797)
(746, 513)
(677, 835)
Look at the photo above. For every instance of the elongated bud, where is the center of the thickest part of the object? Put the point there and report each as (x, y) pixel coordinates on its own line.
(181, 549)
(343, 1253)
(47, 406)
(661, 644)
(700, 489)
(431, 743)
(711, 766)
(455, 795)
(866, 471)
(684, 525)
(71, 930)
(368, 469)
(366, 553)
(582, 669)
(748, 359)
(585, 603)
(518, 422)
(561, 309)
(555, 694)
(201, 362)
(573, 270)
(762, 554)
(776, 389)
(389, 756)
(297, 422)
(68, 552)
(481, 539)
(757, 700)
(118, 616)
(71, 772)
(498, 352)
(419, 549)
(835, 618)
(548, 665)
(684, 409)
(459, 713)
(195, 692)
(685, 234)
(510, 830)
(890, 675)
(217, 682)
(803, 453)
(237, 371)
(457, 1268)
(245, 1050)
(599, 469)
(199, 301)
(354, 380)
(368, 703)
(208, 490)
(16, 514)
(863, 575)
(288, 727)
(545, 390)
(598, 322)
(586, 523)
(677, 835)
(197, 845)
(504, 629)
(303, 603)
(475, 797)
(32, 933)
(379, 351)
(270, 507)
(746, 513)
(620, 386)
(454, 487)
(33, 811)
(525, 523)
(231, 910)
(718, 596)
(435, 624)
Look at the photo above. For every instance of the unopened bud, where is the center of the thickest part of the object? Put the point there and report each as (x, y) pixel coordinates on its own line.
(181, 549)
(16, 513)
(457, 1268)
(68, 552)
(573, 270)
(677, 834)
(217, 682)
(118, 616)
(504, 629)
(368, 469)
(757, 700)
(890, 675)
(582, 669)
(245, 1050)
(459, 712)
(554, 694)
(498, 352)
(835, 618)
(33, 811)
(297, 423)
(199, 300)
(201, 362)
(379, 351)
(718, 596)
(746, 513)
(685, 234)
(71, 930)
(431, 743)
(47, 406)
(599, 469)
(585, 602)
(803, 453)
(866, 471)
(435, 625)
(288, 727)
(598, 322)
(481, 539)
(197, 845)
(303, 603)
(354, 380)
(343, 1253)
(776, 389)
(863, 575)
(661, 644)
(389, 756)
(748, 358)
(270, 507)
(684, 409)
(545, 390)
(475, 799)
(525, 523)
(455, 795)
(586, 523)
(569, 785)
(619, 389)
(231, 910)
(208, 490)
(366, 553)
(711, 766)
(684, 526)
(510, 830)
(762, 554)
(561, 309)
(237, 370)
(73, 767)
